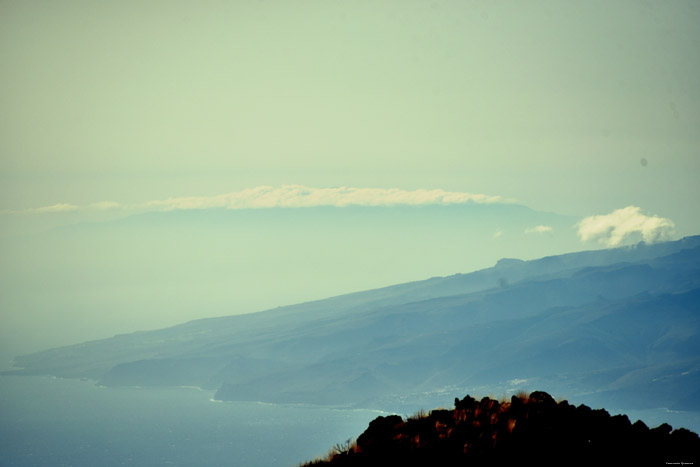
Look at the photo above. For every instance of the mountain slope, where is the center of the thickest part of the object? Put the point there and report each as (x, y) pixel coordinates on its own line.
(596, 325)
(144, 270)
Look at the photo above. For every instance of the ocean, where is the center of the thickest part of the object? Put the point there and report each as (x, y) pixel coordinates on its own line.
(46, 421)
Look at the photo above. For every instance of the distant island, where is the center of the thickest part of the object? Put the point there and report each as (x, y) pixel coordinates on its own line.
(615, 328)
(526, 430)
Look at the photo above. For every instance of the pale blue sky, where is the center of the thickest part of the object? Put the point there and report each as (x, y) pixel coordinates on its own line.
(109, 109)
(552, 103)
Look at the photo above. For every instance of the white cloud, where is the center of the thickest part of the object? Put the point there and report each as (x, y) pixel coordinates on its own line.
(291, 196)
(105, 205)
(625, 225)
(295, 196)
(62, 207)
(539, 229)
(498, 234)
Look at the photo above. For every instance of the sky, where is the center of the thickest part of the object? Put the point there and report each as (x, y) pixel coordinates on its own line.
(552, 103)
(585, 109)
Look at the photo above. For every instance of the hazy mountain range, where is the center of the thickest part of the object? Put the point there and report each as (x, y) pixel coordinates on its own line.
(613, 327)
(88, 280)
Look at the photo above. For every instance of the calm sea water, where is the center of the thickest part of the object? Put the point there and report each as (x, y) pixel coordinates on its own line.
(57, 422)
(47, 421)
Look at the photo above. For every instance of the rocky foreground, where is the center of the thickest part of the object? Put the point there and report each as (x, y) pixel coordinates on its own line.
(527, 430)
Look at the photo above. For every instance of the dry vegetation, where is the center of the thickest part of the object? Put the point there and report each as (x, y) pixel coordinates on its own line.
(533, 429)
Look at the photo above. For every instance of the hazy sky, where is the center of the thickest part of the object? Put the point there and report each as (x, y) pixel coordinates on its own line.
(551, 103)
(107, 109)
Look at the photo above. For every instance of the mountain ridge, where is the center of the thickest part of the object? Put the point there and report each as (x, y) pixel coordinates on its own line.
(467, 330)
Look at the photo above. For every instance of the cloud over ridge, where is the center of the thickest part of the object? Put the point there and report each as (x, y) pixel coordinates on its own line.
(624, 226)
(294, 196)
(297, 196)
(60, 207)
(540, 229)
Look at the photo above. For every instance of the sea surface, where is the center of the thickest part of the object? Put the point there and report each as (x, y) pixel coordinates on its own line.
(46, 421)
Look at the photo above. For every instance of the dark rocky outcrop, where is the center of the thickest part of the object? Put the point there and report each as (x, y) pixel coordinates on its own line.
(525, 430)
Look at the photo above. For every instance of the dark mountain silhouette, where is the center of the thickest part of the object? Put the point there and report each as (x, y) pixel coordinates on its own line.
(525, 430)
(615, 328)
